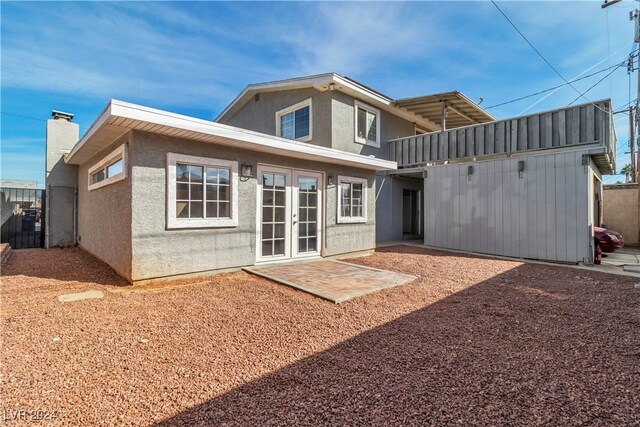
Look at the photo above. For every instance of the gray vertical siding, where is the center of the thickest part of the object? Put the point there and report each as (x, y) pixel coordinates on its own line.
(543, 215)
(582, 124)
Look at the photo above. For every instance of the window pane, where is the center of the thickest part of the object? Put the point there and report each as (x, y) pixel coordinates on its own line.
(311, 229)
(278, 231)
(182, 210)
(182, 173)
(196, 192)
(313, 199)
(223, 192)
(302, 229)
(97, 177)
(278, 247)
(212, 210)
(279, 182)
(371, 126)
(267, 197)
(287, 126)
(302, 213)
(302, 122)
(311, 215)
(267, 214)
(223, 176)
(313, 242)
(212, 192)
(302, 245)
(267, 231)
(357, 190)
(357, 211)
(212, 175)
(224, 210)
(267, 248)
(115, 168)
(267, 180)
(279, 214)
(195, 172)
(195, 210)
(345, 190)
(303, 199)
(362, 123)
(345, 210)
(279, 201)
(182, 191)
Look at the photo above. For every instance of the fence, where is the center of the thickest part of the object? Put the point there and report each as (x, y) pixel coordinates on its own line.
(23, 217)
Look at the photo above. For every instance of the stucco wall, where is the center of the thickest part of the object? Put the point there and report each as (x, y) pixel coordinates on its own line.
(389, 205)
(260, 115)
(343, 128)
(333, 119)
(621, 211)
(159, 252)
(104, 216)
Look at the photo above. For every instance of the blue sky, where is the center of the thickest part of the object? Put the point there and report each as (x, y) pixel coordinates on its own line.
(195, 57)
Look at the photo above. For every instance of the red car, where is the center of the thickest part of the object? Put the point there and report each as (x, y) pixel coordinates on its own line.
(608, 240)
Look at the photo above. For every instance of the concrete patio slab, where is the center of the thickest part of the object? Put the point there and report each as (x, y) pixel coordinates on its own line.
(80, 296)
(333, 280)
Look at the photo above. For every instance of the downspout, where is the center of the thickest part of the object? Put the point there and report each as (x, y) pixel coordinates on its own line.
(47, 220)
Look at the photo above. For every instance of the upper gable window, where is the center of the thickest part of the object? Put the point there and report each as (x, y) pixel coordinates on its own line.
(295, 122)
(367, 124)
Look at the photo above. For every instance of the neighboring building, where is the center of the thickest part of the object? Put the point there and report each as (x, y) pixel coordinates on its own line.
(308, 167)
(18, 183)
(622, 211)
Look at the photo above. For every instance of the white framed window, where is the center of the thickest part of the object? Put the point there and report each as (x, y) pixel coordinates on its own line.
(112, 168)
(296, 122)
(367, 124)
(352, 199)
(201, 192)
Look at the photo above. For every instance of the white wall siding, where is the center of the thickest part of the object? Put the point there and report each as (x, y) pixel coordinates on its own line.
(542, 215)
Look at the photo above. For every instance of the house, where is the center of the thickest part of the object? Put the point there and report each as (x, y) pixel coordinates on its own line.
(313, 167)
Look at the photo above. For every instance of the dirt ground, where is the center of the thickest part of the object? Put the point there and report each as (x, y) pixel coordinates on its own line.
(473, 341)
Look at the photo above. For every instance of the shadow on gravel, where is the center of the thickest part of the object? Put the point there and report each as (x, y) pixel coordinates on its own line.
(65, 265)
(518, 349)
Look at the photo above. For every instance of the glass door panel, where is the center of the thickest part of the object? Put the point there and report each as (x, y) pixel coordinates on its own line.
(274, 218)
(306, 218)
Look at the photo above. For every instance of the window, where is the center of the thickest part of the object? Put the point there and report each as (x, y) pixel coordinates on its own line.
(367, 127)
(352, 200)
(295, 122)
(111, 169)
(202, 192)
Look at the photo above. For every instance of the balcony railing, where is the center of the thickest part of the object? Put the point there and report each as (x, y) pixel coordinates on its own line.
(588, 124)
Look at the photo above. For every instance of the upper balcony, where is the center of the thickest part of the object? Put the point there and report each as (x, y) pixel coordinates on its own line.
(588, 126)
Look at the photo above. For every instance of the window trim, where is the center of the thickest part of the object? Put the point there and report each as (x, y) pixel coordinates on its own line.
(293, 108)
(364, 141)
(351, 219)
(180, 223)
(116, 155)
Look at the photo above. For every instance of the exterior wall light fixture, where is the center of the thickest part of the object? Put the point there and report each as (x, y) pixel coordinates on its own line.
(247, 171)
(520, 168)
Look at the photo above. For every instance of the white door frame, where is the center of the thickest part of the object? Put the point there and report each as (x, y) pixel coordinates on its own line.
(291, 203)
(319, 176)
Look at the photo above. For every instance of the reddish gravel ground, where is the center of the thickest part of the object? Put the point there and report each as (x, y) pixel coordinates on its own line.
(473, 341)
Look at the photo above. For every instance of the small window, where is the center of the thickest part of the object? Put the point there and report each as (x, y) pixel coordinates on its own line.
(111, 169)
(202, 192)
(352, 199)
(295, 122)
(367, 125)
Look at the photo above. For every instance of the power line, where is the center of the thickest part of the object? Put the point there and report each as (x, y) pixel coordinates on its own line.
(594, 85)
(556, 87)
(542, 56)
(23, 117)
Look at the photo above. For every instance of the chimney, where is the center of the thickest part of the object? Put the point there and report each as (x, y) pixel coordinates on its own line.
(61, 180)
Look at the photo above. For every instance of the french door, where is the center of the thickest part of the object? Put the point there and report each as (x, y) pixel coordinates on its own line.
(289, 216)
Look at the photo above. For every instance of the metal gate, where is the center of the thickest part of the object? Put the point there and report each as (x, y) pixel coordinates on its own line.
(23, 217)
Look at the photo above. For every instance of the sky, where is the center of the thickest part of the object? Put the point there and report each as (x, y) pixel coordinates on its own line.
(193, 58)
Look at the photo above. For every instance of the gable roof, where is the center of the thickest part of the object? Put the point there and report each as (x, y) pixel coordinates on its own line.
(424, 117)
(120, 117)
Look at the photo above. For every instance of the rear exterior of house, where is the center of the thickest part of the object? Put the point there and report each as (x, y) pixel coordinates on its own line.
(321, 166)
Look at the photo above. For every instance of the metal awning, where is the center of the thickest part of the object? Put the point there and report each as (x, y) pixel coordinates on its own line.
(458, 109)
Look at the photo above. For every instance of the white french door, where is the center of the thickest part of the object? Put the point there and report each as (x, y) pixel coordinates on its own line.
(289, 216)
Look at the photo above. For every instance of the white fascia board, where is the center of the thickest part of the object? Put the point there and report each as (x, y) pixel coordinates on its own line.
(247, 139)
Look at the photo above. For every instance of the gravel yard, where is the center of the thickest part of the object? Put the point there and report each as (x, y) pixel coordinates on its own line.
(472, 341)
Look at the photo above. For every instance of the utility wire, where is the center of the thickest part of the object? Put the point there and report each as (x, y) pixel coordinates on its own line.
(594, 85)
(555, 87)
(542, 56)
(23, 117)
